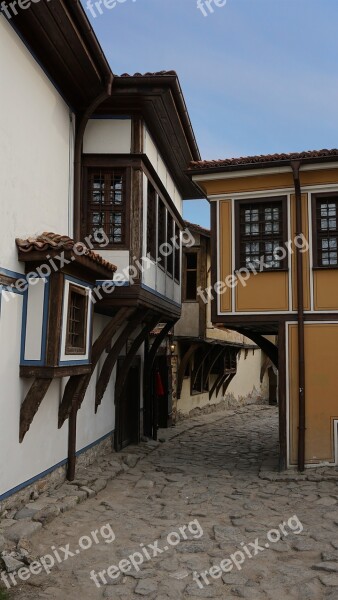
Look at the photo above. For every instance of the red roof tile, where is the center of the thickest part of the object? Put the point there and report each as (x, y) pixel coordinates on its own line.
(264, 158)
(48, 241)
(197, 228)
(156, 74)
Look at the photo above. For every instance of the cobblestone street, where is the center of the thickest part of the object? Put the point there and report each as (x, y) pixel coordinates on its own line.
(215, 474)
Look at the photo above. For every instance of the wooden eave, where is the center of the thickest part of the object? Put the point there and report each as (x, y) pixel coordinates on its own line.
(60, 37)
(158, 101)
(77, 266)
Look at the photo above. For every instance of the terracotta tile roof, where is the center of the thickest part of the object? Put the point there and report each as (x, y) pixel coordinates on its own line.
(197, 228)
(156, 74)
(48, 241)
(267, 158)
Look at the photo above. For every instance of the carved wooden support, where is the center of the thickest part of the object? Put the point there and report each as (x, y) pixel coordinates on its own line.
(217, 353)
(113, 355)
(198, 366)
(220, 375)
(268, 347)
(77, 385)
(183, 365)
(227, 382)
(31, 404)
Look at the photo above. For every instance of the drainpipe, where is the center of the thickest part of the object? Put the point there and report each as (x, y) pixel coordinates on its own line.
(295, 165)
(80, 129)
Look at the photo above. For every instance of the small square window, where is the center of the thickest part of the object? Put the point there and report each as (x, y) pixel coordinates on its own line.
(76, 339)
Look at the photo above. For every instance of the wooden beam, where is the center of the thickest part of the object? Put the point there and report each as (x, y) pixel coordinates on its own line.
(77, 385)
(216, 382)
(31, 404)
(183, 365)
(113, 355)
(199, 365)
(218, 351)
(122, 377)
(268, 347)
(227, 382)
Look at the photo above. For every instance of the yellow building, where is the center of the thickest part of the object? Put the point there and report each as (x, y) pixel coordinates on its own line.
(275, 272)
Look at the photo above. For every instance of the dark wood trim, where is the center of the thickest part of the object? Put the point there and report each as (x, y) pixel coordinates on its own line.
(77, 385)
(70, 349)
(31, 404)
(54, 372)
(183, 365)
(7, 281)
(228, 381)
(282, 397)
(220, 375)
(271, 200)
(54, 327)
(300, 313)
(214, 257)
(105, 163)
(314, 198)
(122, 376)
(137, 134)
(268, 347)
(135, 161)
(218, 351)
(113, 355)
(197, 367)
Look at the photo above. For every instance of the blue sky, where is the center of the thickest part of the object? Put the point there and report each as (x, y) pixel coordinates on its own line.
(259, 76)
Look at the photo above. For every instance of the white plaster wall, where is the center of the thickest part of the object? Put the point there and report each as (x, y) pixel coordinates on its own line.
(107, 136)
(35, 304)
(156, 160)
(119, 258)
(92, 427)
(36, 134)
(44, 444)
(247, 379)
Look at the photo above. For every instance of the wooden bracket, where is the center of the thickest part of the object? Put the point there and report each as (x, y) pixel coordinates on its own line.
(31, 404)
(113, 355)
(77, 385)
(183, 365)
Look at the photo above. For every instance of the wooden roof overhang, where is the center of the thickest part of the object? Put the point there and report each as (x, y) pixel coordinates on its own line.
(159, 100)
(60, 37)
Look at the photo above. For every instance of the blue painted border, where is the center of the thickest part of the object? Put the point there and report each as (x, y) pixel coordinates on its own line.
(40, 362)
(13, 274)
(9, 289)
(21, 486)
(156, 293)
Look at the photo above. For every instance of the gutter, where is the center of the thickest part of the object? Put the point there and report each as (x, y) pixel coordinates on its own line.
(295, 165)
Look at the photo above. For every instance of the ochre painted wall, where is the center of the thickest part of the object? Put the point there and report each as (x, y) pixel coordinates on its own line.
(306, 258)
(267, 182)
(263, 292)
(225, 250)
(321, 390)
(325, 283)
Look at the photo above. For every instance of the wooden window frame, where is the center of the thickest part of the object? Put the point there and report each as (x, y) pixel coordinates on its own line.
(170, 236)
(151, 222)
(70, 349)
(161, 229)
(260, 202)
(105, 164)
(185, 270)
(315, 237)
(177, 253)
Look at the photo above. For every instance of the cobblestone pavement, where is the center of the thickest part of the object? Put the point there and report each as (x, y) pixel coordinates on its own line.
(216, 476)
